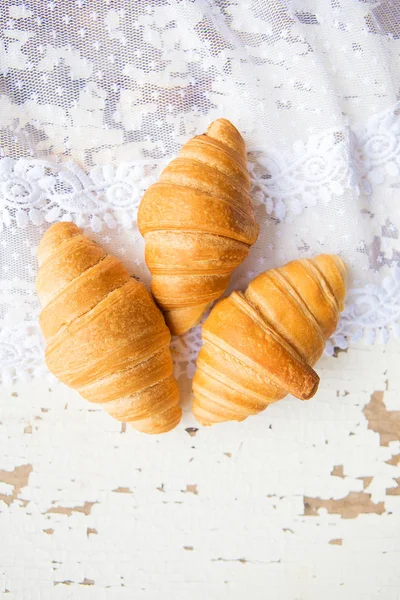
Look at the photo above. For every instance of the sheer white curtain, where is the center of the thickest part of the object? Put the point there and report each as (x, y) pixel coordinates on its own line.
(97, 95)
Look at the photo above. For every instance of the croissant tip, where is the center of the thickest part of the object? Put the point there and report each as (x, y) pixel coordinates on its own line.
(222, 123)
(54, 236)
(176, 329)
(159, 424)
(181, 320)
(200, 415)
(314, 389)
(61, 227)
(338, 260)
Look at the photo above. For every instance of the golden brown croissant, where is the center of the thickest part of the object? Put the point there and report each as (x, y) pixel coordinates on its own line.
(105, 335)
(198, 224)
(261, 345)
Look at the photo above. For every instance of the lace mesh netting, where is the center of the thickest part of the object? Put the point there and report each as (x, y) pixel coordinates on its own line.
(97, 95)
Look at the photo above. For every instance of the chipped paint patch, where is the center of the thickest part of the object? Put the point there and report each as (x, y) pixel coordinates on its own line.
(394, 461)
(86, 509)
(192, 431)
(17, 479)
(337, 471)
(366, 481)
(245, 529)
(68, 582)
(350, 507)
(384, 422)
(394, 491)
(245, 561)
(242, 561)
(191, 489)
(87, 582)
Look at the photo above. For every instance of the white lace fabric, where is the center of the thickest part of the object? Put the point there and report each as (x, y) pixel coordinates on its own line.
(96, 96)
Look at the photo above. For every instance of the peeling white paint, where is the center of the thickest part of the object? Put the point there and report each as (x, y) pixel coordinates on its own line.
(109, 513)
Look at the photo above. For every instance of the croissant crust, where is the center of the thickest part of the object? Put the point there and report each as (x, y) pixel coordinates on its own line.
(105, 336)
(261, 345)
(198, 224)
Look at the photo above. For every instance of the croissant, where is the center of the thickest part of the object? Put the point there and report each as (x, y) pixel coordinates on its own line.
(105, 335)
(198, 224)
(261, 345)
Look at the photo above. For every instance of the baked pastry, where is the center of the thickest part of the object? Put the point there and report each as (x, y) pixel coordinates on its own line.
(105, 335)
(261, 345)
(198, 224)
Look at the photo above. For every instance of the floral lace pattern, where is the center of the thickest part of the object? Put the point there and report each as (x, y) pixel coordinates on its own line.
(105, 201)
(41, 191)
(95, 97)
(314, 172)
(371, 314)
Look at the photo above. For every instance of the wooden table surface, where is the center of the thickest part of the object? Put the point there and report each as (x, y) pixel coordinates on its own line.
(301, 502)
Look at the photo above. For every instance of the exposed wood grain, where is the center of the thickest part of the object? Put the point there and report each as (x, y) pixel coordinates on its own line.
(294, 502)
(384, 422)
(68, 510)
(18, 479)
(350, 507)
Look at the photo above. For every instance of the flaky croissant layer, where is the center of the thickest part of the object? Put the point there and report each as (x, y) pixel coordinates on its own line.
(261, 345)
(198, 224)
(105, 336)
